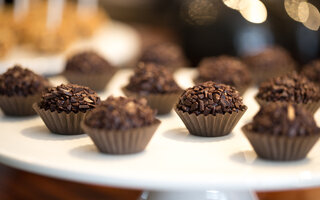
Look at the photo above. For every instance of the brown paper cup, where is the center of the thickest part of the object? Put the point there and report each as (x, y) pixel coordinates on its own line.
(121, 141)
(311, 107)
(18, 105)
(281, 148)
(163, 103)
(94, 81)
(61, 123)
(210, 125)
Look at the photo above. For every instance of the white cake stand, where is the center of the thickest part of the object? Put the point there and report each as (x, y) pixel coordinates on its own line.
(175, 165)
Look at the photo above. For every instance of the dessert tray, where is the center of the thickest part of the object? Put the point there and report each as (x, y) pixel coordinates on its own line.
(116, 41)
(175, 165)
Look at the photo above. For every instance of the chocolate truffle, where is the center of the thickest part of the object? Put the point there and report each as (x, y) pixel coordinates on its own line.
(69, 98)
(282, 131)
(88, 62)
(271, 62)
(89, 69)
(152, 78)
(284, 119)
(292, 88)
(121, 113)
(121, 125)
(211, 98)
(166, 54)
(312, 71)
(225, 69)
(18, 81)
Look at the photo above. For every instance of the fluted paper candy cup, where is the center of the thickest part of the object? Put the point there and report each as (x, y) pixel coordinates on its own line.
(18, 105)
(94, 81)
(280, 148)
(129, 141)
(311, 107)
(61, 123)
(210, 125)
(163, 103)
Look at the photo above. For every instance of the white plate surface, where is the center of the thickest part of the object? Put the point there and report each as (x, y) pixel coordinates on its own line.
(173, 160)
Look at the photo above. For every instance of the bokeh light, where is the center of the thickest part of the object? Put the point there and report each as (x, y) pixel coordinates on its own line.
(255, 11)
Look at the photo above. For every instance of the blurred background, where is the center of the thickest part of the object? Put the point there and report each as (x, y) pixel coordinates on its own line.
(202, 27)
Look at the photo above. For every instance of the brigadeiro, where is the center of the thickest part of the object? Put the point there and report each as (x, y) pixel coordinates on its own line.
(282, 132)
(121, 125)
(156, 84)
(271, 62)
(210, 109)
(312, 71)
(89, 69)
(63, 107)
(292, 88)
(225, 69)
(19, 89)
(169, 55)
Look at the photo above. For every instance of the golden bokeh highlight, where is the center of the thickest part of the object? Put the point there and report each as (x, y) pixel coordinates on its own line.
(255, 12)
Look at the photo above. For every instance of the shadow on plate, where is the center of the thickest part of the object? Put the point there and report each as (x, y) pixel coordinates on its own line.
(43, 133)
(182, 135)
(15, 119)
(249, 157)
(90, 152)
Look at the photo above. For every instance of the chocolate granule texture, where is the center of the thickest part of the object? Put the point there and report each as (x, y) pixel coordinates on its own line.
(224, 69)
(18, 81)
(69, 98)
(88, 62)
(290, 88)
(312, 71)
(151, 78)
(121, 113)
(166, 54)
(211, 98)
(284, 120)
(271, 58)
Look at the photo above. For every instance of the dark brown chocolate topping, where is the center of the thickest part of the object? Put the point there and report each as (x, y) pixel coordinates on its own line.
(120, 113)
(271, 58)
(312, 71)
(88, 62)
(18, 81)
(69, 98)
(166, 54)
(290, 88)
(211, 98)
(151, 78)
(224, 69)
(284, 119)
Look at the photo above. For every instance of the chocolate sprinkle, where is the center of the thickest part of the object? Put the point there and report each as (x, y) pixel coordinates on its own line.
(151, 78)
(290, 88)
(88, 62)
(312, 71)
(120, 113)
(284, 119)
(18, 81)
(69, 98)
(167, 54)
(211, 98)
(224, 69)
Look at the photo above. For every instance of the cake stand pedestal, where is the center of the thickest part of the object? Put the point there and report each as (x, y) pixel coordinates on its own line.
(207, 195)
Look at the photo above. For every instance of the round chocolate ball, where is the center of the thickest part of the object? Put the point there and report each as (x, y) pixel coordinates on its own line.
(284, 119)
(18, 81)
(224, 69)
(312, 71)
(69, 98)
(120, 113)
(211, 98)
(152, 78)
(271, 62)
